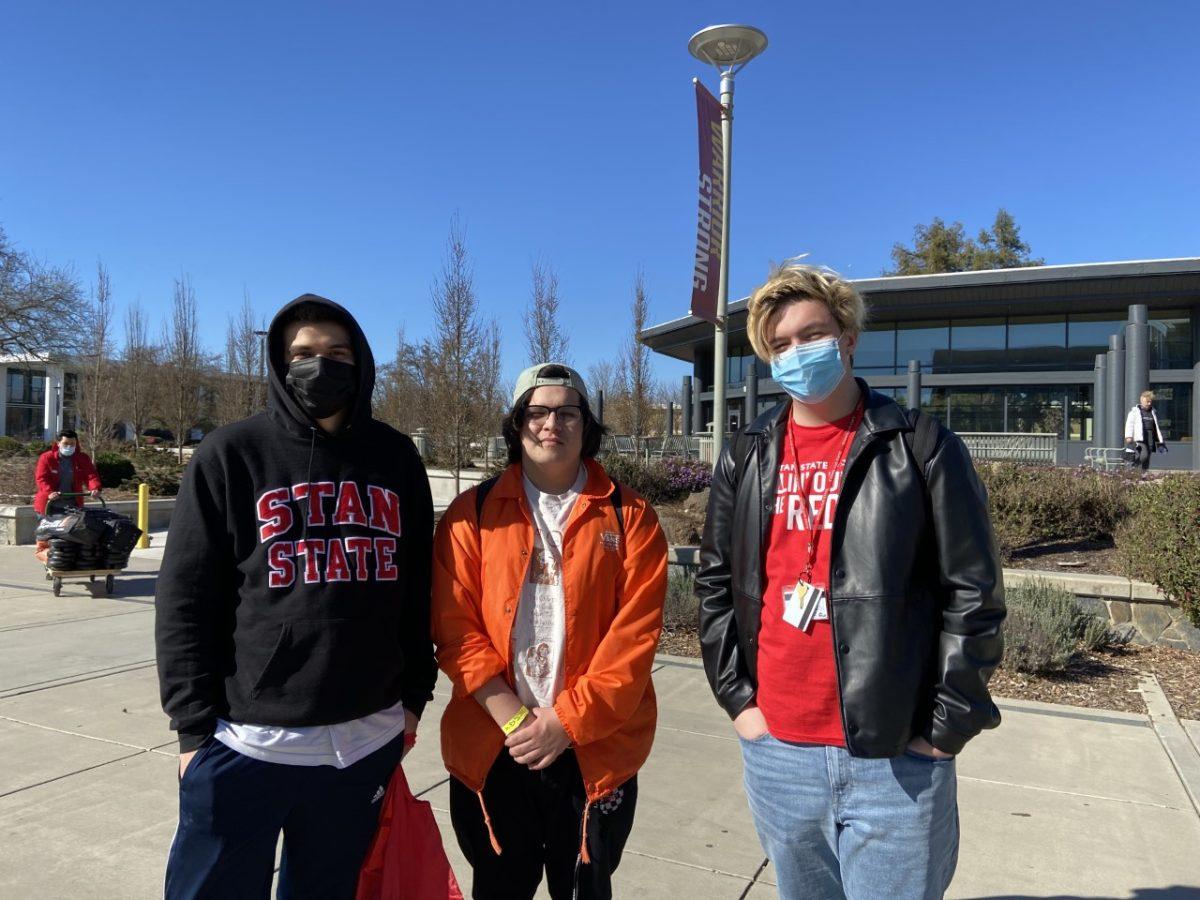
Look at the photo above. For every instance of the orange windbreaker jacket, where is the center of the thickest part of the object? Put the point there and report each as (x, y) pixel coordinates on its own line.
(613, 588)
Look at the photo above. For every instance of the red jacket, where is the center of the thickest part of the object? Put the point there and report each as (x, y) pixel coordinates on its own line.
(84, 476)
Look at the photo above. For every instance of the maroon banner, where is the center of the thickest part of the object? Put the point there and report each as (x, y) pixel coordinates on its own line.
(710, 220)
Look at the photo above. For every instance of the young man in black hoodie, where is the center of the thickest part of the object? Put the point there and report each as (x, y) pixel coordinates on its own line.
(292, 623)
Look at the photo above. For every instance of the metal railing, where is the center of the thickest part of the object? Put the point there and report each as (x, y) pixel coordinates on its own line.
(1016, 447)
(1105, 458)
(660, 447)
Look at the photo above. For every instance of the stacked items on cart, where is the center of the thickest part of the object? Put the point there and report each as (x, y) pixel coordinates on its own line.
(90, 538)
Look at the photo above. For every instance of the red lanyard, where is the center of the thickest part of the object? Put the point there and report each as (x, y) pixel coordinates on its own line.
(838, 461)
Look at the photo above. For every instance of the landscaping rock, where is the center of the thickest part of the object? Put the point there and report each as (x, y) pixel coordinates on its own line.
(1119, 612)
(1151, 620)
(697, 502)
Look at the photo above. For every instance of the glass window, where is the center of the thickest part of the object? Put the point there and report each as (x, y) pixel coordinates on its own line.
(1081, 415)
(1170, 339)
(733, 368)
(1037, 410)
(762, 368)
(928, 342)
(16, 386)
(1173, 406)
(934, 402)
(977, 345)
(1038, 342)
(1087, 335)
(977, 411)
(23, 423)
(876, 351)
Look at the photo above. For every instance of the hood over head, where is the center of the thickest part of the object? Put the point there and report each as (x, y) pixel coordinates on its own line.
(281, 405)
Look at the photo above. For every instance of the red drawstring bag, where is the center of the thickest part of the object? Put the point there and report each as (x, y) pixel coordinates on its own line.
(407, 860)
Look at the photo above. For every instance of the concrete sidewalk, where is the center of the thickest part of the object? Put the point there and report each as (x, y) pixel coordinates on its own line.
(1058, 802)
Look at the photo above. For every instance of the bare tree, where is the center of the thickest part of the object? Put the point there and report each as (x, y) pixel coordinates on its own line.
(42, 308)
(184, 364)
(545, 339)
(456, 356)
(402, 387)
(139, 363)
(635, 361)
(602, 378)
(240, 388)
(97, 389)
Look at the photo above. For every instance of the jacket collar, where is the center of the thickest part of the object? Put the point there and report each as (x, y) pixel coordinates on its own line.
(881, 414)
(598, 484)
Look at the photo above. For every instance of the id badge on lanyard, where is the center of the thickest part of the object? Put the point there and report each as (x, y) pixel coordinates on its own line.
(804, 602)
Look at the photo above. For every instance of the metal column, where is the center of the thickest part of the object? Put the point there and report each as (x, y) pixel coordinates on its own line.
(1100, 401)
(600, 407)
(685, 407)
(750, 413)
(913, 400)
(1137, 354)
(1195, 417)
(1115, 436)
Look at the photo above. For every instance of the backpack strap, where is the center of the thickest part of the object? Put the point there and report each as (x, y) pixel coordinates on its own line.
(485, 488)
(922, 440)
(617, 507)
(481, 493)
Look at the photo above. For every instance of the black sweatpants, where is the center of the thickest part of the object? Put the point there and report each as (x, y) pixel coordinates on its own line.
(232, 808)
(538, 821)
(1144, 452)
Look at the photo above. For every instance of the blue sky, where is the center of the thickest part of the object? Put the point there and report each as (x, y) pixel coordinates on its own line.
(279, 148)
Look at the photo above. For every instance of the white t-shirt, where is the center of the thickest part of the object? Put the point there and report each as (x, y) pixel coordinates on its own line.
(340, 745)
(539, 631)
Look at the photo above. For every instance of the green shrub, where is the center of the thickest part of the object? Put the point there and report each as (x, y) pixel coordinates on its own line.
(163, 482)
(680, 609)
(654, 479)
(1160, 541)
(113, 469)
(10, 446)
(1035, 504)
(1045, 627)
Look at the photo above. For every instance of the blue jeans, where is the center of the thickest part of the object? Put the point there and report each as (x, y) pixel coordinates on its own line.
(838, 826)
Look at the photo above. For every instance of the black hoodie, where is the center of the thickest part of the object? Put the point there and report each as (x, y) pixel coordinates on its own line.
(274, 611)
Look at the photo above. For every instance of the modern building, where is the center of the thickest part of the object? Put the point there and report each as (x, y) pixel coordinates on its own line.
(39, 398)
(1005, 350)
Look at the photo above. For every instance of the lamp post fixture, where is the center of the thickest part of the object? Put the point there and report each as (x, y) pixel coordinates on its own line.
(262, 364)
(728, 48)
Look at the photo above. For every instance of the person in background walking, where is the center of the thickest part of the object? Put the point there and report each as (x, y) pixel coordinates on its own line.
(1142, 431)
(64, 469)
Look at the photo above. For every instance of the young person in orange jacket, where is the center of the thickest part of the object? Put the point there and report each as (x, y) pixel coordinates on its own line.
(548, 591)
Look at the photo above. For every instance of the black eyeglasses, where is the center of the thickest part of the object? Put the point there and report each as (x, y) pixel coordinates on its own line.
(567, 416)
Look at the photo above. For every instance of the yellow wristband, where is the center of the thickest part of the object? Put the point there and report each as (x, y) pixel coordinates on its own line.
(515, 722)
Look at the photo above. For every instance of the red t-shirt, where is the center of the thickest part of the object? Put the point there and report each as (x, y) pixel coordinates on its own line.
(797, 676)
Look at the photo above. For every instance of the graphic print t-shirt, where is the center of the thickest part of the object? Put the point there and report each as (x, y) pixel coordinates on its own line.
(539, 631)
(797, 676)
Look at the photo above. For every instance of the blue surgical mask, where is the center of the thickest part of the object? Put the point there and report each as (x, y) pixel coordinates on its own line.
(66, 451)
(809, 372)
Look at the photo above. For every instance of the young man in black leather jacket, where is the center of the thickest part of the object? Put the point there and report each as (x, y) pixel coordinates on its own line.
(850, 610)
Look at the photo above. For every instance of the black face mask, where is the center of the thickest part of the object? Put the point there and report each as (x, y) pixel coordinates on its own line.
(322, 386)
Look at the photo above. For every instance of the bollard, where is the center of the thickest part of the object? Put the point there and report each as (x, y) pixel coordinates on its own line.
(143, 515)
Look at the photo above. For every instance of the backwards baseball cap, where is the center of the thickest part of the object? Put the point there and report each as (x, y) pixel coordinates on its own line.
(531, 378)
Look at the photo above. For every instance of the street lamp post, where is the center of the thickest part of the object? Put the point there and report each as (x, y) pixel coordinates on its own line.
(728, 48)
(262, 364)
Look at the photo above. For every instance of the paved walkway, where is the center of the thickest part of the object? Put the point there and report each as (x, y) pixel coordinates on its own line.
(1058, 802)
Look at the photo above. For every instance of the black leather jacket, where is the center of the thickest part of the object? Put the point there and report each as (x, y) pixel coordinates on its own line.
(916, 596)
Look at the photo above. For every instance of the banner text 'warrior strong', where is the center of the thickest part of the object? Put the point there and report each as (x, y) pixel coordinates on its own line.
(710, 220)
